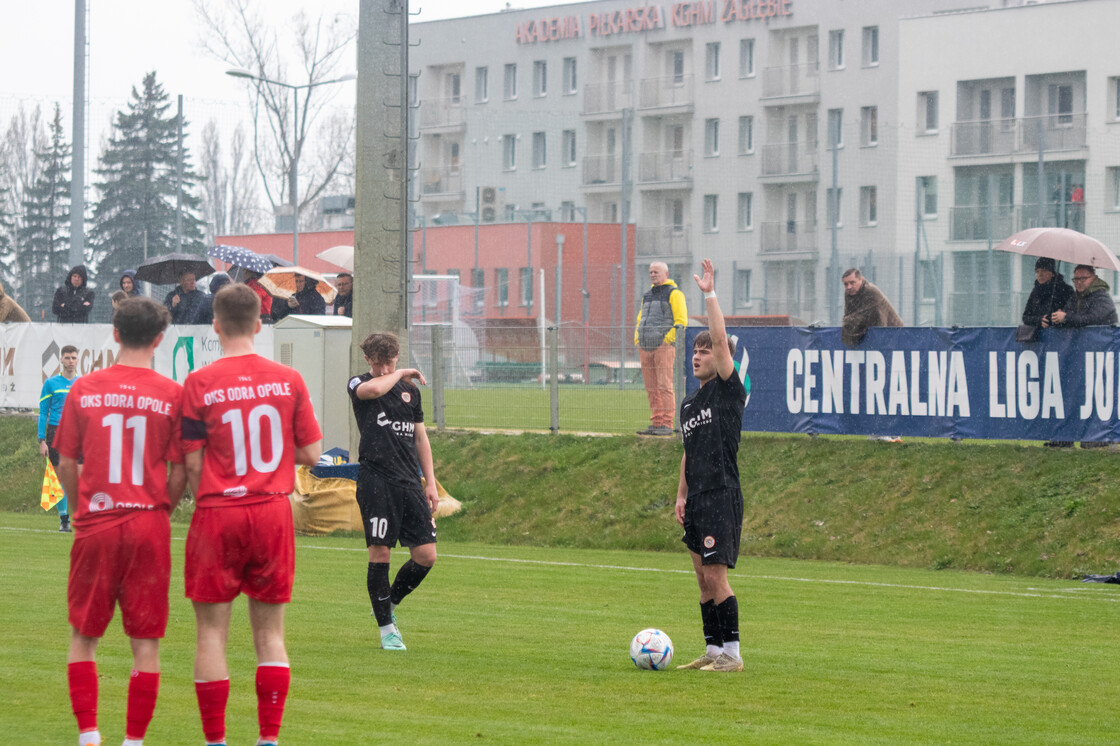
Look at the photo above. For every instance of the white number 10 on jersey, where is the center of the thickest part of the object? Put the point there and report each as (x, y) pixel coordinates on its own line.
(235, 418)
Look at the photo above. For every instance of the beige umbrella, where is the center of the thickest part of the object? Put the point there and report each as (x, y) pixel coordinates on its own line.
(343, 256)
(281, 282)
(1061, 244)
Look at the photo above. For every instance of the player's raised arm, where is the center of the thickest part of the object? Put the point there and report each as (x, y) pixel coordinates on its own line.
(725, 365)
(378, 386)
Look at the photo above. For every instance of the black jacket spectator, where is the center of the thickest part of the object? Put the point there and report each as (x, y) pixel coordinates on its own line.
(1092, 306)
(344, 305)
(308, 302)
(1046, 298)
(132, 287)
(193, 306)
(74, 300)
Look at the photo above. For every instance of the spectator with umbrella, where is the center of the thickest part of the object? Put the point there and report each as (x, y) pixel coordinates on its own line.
(188, 304)
(306, 300)
(73, 300)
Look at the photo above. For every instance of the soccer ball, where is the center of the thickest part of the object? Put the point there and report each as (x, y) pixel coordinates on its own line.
(651, 650)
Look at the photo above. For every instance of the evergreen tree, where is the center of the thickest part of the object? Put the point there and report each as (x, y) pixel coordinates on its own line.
(43, 247)
(138, 188)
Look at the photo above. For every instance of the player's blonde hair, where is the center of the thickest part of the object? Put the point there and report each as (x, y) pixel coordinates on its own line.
(237, 308)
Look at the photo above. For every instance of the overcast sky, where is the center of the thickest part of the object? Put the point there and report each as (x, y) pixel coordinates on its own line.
(131, 37)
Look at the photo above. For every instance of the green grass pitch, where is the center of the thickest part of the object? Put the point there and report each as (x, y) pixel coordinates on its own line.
(516, 645)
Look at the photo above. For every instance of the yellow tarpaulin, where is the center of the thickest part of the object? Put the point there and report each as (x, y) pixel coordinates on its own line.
(323, 506)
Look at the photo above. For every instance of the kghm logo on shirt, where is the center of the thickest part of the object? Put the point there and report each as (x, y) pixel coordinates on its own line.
(704, 418)
(406, 428)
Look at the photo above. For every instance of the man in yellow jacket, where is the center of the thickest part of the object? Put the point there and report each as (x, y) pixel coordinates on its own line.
(663, 309)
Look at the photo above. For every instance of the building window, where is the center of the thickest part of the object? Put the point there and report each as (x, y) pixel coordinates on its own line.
(568, 148)
(569, 71)
(742, 287)
(1114, 97)
(836, 49)
(509, 152)
(927, 111)
(677, 65)
(834, 206)
(928, 196)
(501, 279)
(540, 158)
(745, 213)
(527, 287)
(511, 212)
(836, 127)
(868, 206)
(711, 213)
(478, 286)
(540, 78)
(567, 211)
(610, 212)
(746, 58)
(453, 86)
(746, 135)
(869, 126)
(711, 60)
(870, 46)
(414, 89)
(481, 85)
(1114, 186)
(711, 137)
(1061, 104)
(510, 89)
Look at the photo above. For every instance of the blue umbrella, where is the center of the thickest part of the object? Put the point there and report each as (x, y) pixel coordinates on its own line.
(239, 256)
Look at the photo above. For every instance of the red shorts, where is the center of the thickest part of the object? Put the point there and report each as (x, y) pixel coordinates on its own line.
(129, 564)
(248, 549)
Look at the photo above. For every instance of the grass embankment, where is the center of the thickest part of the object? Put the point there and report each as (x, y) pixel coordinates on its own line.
(992, 507)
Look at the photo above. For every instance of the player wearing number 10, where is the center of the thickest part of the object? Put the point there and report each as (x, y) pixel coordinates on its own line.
(247, 422)
(124, 422)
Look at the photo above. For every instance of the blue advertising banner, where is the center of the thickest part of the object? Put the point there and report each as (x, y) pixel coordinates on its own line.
(948, 383)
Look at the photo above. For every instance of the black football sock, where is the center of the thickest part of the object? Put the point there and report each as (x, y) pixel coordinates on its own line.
(408, 577)
(728, 612)
(713, 634)
(377, 583)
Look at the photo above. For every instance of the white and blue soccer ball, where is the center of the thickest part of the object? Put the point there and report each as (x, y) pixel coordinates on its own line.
(651, 650)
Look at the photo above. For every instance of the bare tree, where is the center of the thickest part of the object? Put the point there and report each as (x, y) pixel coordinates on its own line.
(243, 208)
(235, 32)
(229, 193)
(19, 170)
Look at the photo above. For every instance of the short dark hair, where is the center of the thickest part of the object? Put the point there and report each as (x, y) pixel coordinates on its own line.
(851, 271)
(704, 342)
(1087, 268)
(381, 347)
(340, 275)
(238, 308)
(67, 350)
(139, 320)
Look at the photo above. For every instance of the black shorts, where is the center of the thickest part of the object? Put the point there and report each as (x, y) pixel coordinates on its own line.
(392, 513)
(713, 523)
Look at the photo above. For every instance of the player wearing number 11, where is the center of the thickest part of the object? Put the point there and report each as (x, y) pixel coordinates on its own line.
(124, 422)
(247, 422)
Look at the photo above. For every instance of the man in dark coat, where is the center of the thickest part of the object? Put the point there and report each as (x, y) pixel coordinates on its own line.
(74, 300)
(1051, 293)
(344, 301)
(1091, 304)
(306, 300)
(865, 306)
(188, 304)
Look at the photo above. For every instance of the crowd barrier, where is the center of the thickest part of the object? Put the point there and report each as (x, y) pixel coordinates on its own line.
(951, 383)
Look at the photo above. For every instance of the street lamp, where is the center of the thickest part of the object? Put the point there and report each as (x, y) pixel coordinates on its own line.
(238, 72)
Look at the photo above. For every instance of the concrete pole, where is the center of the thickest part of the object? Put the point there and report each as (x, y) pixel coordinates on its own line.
(78, 161)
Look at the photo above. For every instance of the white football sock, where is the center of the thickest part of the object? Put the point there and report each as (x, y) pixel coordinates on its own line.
(715, 650)
(731, 648)
(387, 629)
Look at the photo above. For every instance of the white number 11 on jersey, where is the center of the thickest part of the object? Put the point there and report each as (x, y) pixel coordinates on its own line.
(116, 424)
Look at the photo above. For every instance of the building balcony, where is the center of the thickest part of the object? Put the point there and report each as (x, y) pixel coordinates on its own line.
(792, 81)
(607, 100)
(672, 92)
(671, 169)
(441, 183)
(443, 114)
(666, 241)
(1056, 132)
(971, 222)
(789, 239)
(602, 171)
(791, 159)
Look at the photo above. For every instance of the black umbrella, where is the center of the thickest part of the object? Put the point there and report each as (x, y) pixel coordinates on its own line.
(278, 261)
(239, 256)
(165, 270)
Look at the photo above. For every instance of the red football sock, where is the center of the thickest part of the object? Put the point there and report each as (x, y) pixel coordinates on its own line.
(143, 688)
(273, 680)
(212, 698)
(82, 677)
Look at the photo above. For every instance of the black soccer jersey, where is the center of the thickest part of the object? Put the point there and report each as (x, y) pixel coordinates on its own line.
(711, 420)
(388, 431)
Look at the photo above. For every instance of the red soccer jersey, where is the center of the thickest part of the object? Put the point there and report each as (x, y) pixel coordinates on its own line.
(247, 411)
(123, 422)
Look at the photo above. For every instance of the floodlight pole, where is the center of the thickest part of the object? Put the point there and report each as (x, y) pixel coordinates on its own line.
(293, 177)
